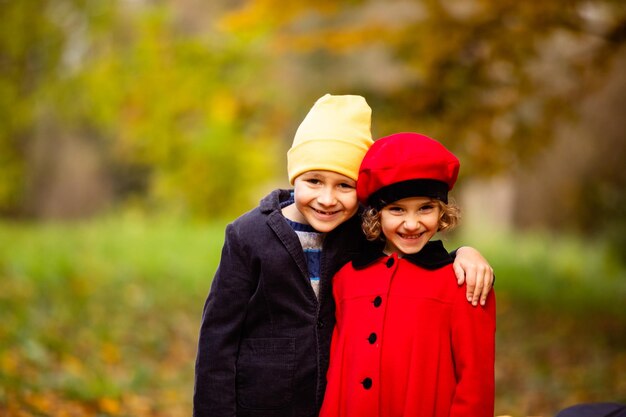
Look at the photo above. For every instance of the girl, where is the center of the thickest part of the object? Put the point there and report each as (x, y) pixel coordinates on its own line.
(406, 342)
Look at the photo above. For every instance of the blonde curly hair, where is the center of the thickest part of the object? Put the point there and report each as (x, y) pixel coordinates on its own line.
(449, 217)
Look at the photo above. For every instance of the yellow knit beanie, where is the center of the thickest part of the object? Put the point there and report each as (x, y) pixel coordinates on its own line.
(334, 136)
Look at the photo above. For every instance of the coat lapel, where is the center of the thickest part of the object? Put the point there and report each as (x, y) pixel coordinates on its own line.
(432, 256)
(288, 237)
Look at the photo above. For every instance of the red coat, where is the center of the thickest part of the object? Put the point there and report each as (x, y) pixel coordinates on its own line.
(407, 343)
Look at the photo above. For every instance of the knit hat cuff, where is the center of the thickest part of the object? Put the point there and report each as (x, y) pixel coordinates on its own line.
(341, 156)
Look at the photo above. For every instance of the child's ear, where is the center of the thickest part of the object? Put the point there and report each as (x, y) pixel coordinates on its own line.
(441, 224)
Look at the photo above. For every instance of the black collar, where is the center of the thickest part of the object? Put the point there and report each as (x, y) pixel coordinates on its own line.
(432, 256)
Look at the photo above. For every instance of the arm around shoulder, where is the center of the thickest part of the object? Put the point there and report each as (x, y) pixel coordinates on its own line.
(473, 269)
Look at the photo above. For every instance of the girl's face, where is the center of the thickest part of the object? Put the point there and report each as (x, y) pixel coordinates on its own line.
(324, 199)
(408, 224)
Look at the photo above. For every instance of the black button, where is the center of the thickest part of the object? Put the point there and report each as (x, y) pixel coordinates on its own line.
(372, 338)
(389, 262)
(377, 301)
(320, 324)
(367, 383)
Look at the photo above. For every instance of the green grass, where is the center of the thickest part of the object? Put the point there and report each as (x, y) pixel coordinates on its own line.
(104, 309)
(561, 322)
(563, 273)
(101, 318)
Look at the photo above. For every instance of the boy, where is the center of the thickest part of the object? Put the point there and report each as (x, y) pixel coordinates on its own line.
(267, 322)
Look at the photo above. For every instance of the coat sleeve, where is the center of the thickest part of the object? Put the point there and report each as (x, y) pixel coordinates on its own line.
(473, 345)
(220, 331)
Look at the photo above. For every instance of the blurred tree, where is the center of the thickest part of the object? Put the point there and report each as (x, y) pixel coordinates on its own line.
(40, 44)
(29, 53)
(488, 78)
(169, 110)
(178, 104)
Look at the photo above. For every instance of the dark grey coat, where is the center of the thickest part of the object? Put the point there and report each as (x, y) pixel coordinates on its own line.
(265, 338)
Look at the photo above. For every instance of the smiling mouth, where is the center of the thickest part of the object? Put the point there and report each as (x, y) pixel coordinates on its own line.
(410, 237)
(326, 213)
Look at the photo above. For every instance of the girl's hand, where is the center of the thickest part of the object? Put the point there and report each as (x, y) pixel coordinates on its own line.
(470, 267)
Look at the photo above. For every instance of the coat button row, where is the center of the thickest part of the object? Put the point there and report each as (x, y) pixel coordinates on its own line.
(377, 301)
(389, 262)
(372, 338)
(367, 383)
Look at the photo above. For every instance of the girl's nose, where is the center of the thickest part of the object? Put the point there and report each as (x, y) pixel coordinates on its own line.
(411, 223)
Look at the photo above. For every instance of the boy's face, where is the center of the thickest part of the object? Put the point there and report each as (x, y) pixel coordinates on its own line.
(324, 199)
(408, 224)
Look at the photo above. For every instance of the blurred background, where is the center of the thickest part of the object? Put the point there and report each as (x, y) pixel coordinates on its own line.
(132, 131)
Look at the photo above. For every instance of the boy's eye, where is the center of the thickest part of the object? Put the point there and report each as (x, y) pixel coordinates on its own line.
(314, 181)
(346, 185)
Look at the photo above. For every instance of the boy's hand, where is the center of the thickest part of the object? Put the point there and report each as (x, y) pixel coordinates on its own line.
(470, 267)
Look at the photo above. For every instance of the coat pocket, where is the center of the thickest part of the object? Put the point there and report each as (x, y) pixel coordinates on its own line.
(265, 369)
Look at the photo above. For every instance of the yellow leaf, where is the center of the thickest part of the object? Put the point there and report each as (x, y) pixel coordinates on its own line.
(223, 108)
(9, 363)
(110, 353)
(109, 406)
(40, 402)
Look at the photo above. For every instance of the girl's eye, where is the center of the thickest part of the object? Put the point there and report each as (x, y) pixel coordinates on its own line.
(395, 209)
(346, 185)
(313, 181)
(427, 208)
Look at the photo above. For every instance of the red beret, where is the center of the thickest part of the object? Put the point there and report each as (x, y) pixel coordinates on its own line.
(406, 165)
